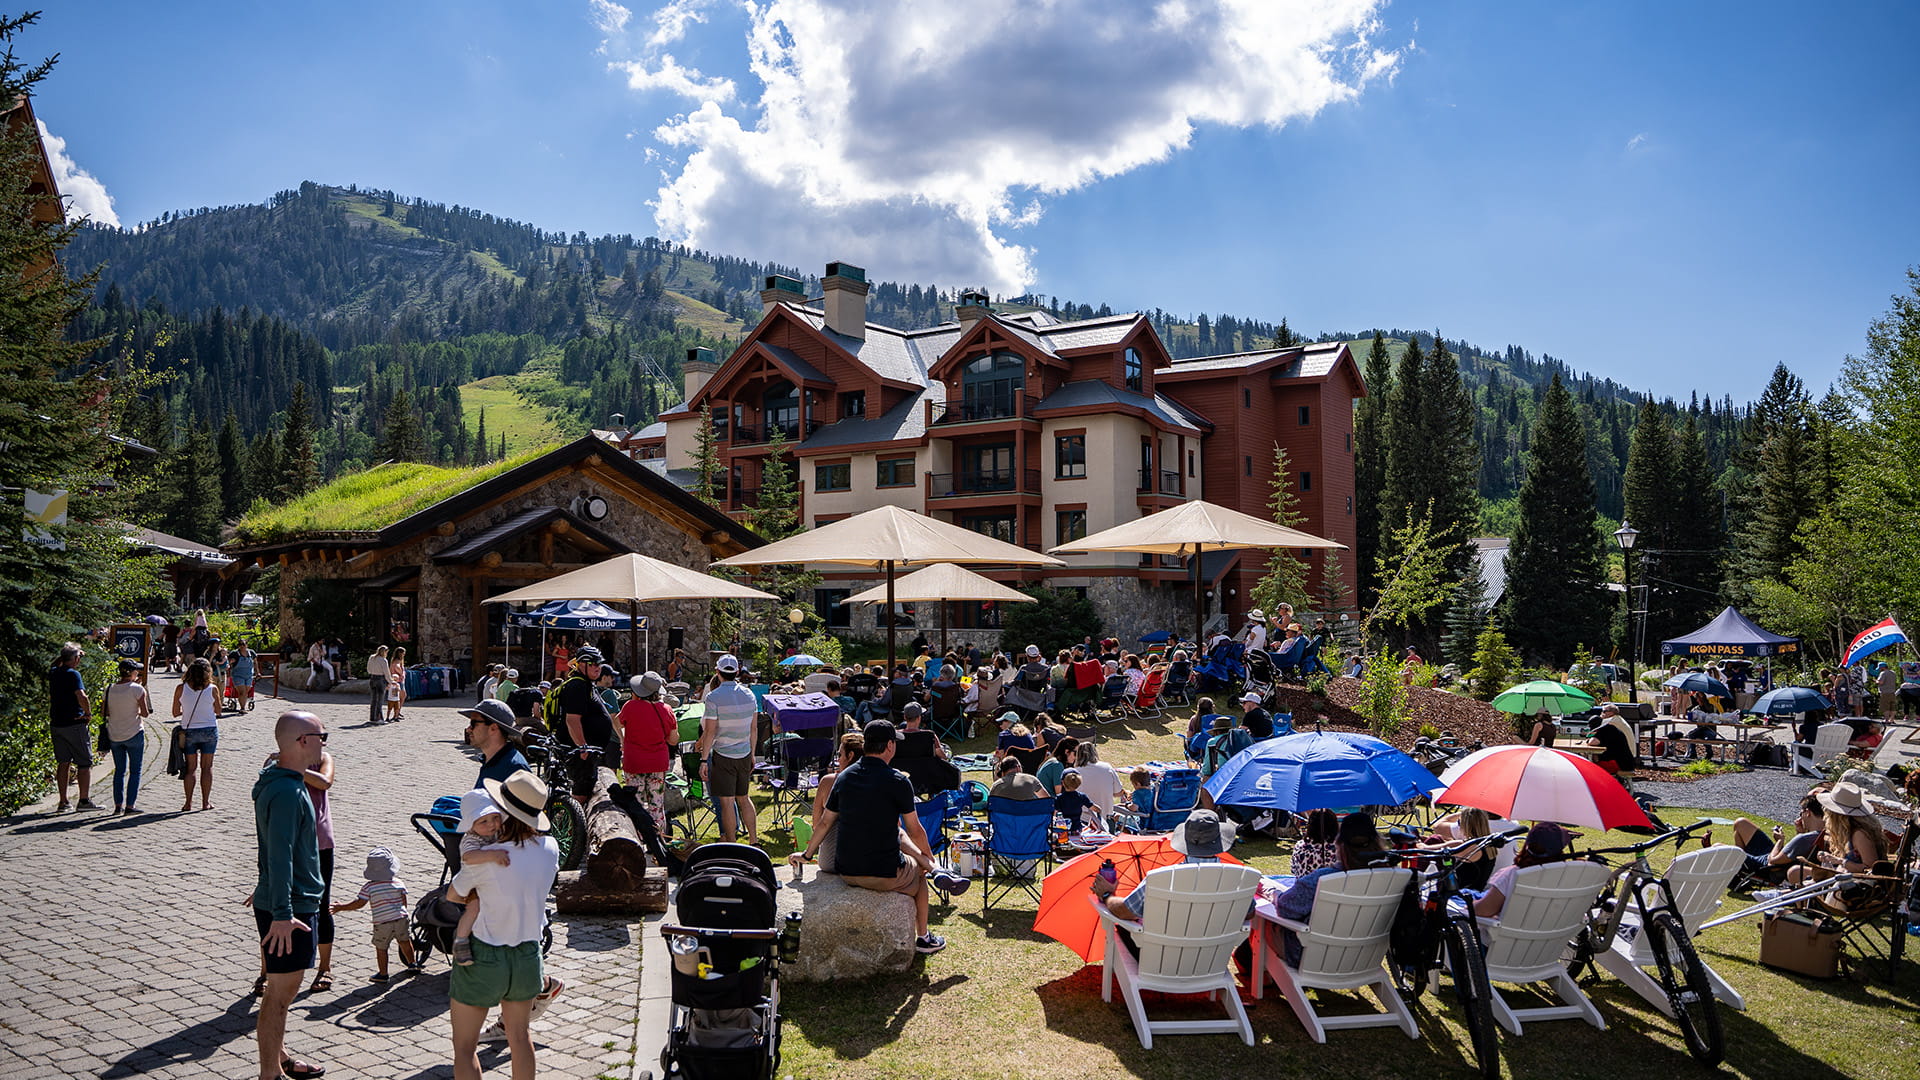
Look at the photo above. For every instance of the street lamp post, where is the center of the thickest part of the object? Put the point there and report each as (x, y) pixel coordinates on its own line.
(1625, 536)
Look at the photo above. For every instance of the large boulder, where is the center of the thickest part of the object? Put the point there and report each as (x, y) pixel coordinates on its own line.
(847, 932)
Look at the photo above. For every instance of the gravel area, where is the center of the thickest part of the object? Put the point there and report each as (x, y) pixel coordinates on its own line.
(1769, 792)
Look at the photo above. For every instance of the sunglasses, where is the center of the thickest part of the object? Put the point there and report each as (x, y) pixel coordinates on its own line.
(321, 735)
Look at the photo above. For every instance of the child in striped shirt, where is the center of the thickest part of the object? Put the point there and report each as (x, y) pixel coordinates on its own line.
(389, 899)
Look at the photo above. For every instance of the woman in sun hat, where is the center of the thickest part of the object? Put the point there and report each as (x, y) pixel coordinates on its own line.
(648, 734)
(1855, 839)
(506, 969)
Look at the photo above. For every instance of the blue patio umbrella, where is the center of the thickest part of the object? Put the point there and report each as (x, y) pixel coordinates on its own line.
(1791, 699)
(1320, 770)
(1699, 682)
(803, 660)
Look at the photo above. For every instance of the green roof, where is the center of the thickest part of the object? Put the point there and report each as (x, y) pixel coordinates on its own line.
(369, 501)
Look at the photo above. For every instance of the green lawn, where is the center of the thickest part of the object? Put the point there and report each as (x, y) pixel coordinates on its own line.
(525, 424)
(1002, 1001)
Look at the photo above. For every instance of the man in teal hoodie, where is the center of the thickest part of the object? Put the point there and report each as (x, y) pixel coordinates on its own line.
(286, 901)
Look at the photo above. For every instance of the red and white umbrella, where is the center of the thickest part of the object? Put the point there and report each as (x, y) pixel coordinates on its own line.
(1535, 783)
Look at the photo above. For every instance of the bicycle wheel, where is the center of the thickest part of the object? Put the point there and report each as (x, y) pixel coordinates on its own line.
(1684, 979)
(1473, 992)
(569, 820)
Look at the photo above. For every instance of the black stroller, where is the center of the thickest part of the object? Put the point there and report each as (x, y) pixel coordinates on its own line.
(434, 916)
(726, 954)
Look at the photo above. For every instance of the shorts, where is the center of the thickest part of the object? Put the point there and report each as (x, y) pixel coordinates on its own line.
(239, 683)
(498, 973)
(202, 740)
(303, 952)
(73, 745)
(908, 882)
(729, 777)
(386, 933)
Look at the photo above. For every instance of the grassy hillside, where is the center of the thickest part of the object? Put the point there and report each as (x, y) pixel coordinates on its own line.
(525, 424)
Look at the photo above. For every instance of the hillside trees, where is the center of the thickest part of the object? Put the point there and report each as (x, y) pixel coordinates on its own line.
(1370, 464)
(1285, 581)
(1776, 451)
(1431, 466)
(1553, 598)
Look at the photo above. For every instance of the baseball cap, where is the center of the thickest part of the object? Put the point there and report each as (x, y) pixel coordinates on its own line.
(1033, 650)
(495, 712)
(728, 663)
(912, 709)
(1251, 697)
(878, 733)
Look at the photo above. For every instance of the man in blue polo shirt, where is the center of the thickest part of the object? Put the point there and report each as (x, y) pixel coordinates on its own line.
(491, 730)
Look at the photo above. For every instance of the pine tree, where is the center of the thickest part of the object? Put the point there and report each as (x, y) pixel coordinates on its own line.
(1370, 464)
(400, 436)
(299, 470)
(1466, 614)
(233, 469)
(263, 468)
(1781, 495)
(1698, 537)
(1285, 581)
(196, 475)
(1554, 600)
(1652, 500)
(1494, 664)
(481, 456)
(707, 467)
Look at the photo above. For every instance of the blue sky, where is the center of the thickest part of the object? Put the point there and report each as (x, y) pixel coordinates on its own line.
(1675, 195)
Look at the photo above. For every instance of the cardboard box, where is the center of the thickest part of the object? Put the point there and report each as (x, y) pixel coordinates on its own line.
(1805, 944)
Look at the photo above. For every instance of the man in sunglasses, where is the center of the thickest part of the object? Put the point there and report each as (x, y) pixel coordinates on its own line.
(491, 730)
(286, 899)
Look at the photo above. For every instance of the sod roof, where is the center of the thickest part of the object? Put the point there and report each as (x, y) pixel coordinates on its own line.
(368, 501)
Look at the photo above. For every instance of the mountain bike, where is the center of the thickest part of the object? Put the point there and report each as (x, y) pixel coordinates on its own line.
(551, 761)
(1682, 977)
(1449, 938)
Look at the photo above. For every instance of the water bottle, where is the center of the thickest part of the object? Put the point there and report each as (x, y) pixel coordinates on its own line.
(790, 938)
(1106, 880)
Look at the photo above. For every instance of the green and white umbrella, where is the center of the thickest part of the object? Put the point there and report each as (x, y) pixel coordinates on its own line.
(1543, 696)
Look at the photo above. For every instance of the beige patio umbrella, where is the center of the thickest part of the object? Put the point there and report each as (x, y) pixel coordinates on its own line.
(1192, 529)
(886, 538)
(634, 578)
(940, 583)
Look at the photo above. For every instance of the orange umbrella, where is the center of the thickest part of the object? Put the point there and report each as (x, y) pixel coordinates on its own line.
(1065, 915)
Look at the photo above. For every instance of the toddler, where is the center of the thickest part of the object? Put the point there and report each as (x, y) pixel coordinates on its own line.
(1142, 797)
(1070, 804)
(389, 899)
(480, 820)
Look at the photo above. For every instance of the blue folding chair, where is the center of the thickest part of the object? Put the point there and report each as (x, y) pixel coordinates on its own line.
(1019, 847)
(1282, 724)
(939, 815)
(1174, 797)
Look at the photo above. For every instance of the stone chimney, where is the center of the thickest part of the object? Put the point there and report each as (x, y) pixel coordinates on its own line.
(697, 370)
(971, 305)
(846, 289)
(781, 289)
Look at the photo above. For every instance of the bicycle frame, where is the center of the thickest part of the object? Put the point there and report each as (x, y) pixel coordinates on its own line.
(1636, 878)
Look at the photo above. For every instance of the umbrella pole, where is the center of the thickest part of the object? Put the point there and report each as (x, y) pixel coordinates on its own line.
(890, 619)
(1199, 601)
(542, 665)
(633, 637)
(943, 628)
(506, 638)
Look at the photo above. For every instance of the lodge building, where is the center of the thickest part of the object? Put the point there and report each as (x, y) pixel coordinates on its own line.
(1023, 427)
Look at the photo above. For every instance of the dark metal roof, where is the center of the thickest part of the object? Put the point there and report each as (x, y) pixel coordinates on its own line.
(1093, 392)
(907, 420)
(477, 545)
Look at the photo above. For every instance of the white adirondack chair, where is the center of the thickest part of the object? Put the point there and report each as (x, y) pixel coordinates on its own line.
(1699, 880)
(1829, 742)
(1527, 942)
(1343, 946)
(1195, 916)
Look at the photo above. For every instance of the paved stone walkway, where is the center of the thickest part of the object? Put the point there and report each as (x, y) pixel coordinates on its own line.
(126, 948)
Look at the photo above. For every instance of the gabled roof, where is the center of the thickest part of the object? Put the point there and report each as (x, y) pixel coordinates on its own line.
(174, 545)
(526, 521)
(1314, 361)
(1093, 392)
(795, 366)
(1107, 330)
(907, 420)
(894, 355)
(655, 430)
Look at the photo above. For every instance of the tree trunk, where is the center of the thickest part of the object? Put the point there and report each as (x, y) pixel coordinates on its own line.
(616, 878)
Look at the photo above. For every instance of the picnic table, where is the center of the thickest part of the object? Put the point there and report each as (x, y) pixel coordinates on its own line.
(1745, 734)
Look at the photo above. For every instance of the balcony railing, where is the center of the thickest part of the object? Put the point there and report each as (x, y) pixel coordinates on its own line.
(746, 435)
(960, 412)
(983, 482)
(1169, 482)
(744, 499)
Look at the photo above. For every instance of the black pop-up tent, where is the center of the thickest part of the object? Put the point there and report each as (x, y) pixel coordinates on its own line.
(1729, 635)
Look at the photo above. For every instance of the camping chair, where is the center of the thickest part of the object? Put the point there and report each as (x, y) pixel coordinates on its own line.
(937, 815)
(1145, 703)
(1527, 943)
(1019, 842)
(1223, 667)
(1343, 946)
(800, 752)
(1196, 915)
(1174, 797)
(1178, 688)
(1873, 924)
(1030, 760)
(696, 812)
(1282, 724)
(1699, 880)
(945, 712)
(1113, 698)
(1829, 742)
(918, 758)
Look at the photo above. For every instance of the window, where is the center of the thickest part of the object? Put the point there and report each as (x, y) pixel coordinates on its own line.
(781, 410)
(1349, 506)
(1249, 466)
(986, 468)
(990, 386)
(1135, 370)
(833, 477)
(1306, 481)
(1349, 442)
(1306, 415)
(1070, 457)
(1246, 397)
(853, 405)
(894, 472)
(827, 605)
(1189, 463)
(1146, 465)
(998, 526)
(1069, 525)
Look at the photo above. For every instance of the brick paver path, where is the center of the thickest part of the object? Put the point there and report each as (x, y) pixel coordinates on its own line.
(125, 949)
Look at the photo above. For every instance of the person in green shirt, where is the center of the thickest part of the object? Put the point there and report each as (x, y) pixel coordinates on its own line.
(508, 683)
(286, 898)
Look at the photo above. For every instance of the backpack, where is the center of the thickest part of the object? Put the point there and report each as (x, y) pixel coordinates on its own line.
(1771, 755)
(552, 715)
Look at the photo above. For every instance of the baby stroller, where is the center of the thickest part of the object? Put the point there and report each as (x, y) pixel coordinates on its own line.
(726, 953)
(434, 916)
(1260, 673)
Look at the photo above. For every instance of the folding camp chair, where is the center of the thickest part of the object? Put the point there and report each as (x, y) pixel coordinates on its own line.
(1019, 847)
(945, 712)
(1174, 797)
(1030, 760)
(1145, 702)
(918, 758)
(1178, 688)
(806, 724)
(939, 816)
(1873, 921)
(1113, 699)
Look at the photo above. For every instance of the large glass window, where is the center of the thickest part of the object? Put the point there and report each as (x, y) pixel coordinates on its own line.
(1070, 457)
(833, 477)
(998, 526)
(781, 406)
(827, 604)
(990, 386)
(1135, 370)
(987, 468)
(853, 404)
(894, 472)
(1069, 525)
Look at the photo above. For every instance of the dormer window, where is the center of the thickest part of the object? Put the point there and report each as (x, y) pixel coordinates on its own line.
(1136, 371)
(853, 404)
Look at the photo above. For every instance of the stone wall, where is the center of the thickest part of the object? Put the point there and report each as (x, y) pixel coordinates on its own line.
(1128, 607)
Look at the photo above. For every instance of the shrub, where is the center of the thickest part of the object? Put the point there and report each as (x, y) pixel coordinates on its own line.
(1383, 696)
(1703, 767)
(1060, 620)
(1494, 663)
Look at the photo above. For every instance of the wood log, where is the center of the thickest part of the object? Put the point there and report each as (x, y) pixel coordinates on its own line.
(577, 894)
(615, 877)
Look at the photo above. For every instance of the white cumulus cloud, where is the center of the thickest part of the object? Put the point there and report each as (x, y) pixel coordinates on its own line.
(86, 196)
(917, 137)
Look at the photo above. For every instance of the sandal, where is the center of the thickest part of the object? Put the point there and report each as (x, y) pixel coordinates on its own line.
(259, 986)
(300, 1070)
(322, 981)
